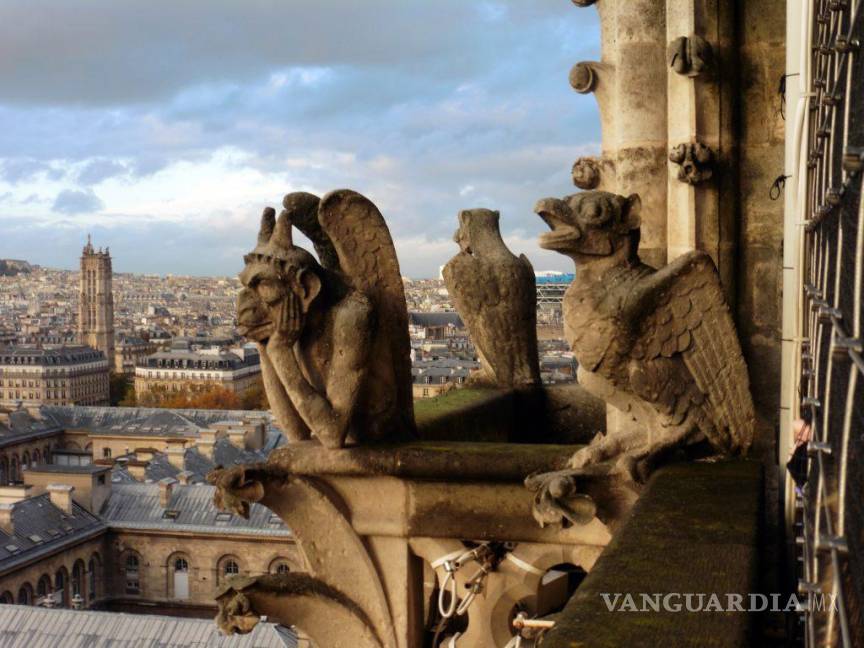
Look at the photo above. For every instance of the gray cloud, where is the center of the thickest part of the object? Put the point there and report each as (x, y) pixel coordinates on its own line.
(405, 101)
(74, 201)
(140, 50)
(100, 169)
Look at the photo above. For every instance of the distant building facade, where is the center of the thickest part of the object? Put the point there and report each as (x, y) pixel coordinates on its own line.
(96, 301)
(178, 370)
(435, 326)
(66, 375)
(129, 351)
(431, 377)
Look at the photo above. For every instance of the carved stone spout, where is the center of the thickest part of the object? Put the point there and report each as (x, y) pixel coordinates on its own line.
(495, 293)
(329, 617)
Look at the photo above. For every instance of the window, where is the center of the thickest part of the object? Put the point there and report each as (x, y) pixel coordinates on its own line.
(106, 453)
(25, 595)
(282, 568)
(231, 568)
(91, 578)
(133, 582)
(180, 565)
(60, 586)
(43, 587)
(78, 578)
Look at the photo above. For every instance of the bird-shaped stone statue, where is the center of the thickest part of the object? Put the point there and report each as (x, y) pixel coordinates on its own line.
(494, 292)
(659, 345)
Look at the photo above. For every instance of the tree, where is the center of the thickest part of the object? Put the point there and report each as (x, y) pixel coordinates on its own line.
(121, 390)
(255, 398)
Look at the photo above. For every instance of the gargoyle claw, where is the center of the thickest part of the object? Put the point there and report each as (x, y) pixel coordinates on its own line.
(556, 500)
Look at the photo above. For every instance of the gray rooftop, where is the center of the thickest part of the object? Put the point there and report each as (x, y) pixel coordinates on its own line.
(161, 422)
(136, 506)
(89, 469)
(42, 529)
(58, 356)
(19, 425)
(24, 626)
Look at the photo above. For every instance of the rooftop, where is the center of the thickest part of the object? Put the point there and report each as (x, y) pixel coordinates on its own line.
(17, 426)
(26, 626)
(40, 528)
(55, 468)
(144, 421)
(49, 356)
(191, 508)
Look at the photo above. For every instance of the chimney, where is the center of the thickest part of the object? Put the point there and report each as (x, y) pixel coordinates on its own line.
(237, 436)
(61, 497)
(205, 448)
(144, 454)
(166, 486)
(6, 524)
(138, 469)
(184, 477)
(17, 493)
(176, 456)
(206, 442)
(256, 435)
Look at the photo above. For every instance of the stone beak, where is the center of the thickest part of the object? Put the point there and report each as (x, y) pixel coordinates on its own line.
(556, 213)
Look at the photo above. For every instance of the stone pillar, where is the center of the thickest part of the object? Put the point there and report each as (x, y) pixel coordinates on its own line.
(701, 84)
(629, 82)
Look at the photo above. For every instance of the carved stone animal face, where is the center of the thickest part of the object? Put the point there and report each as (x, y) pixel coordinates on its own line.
(591, 223)
(274, 270)
(474, 226)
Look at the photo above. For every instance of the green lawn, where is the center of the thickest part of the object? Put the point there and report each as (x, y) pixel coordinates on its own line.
(429, 409)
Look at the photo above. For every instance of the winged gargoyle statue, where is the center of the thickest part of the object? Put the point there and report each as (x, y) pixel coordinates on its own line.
(333, 335)
(659, 345)
(494, 292)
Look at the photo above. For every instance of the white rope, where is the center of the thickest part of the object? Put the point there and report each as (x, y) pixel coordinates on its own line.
(451, 609)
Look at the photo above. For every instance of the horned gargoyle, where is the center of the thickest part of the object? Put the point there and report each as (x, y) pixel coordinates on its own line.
(494, 292)
(660, 345)
(333, 335)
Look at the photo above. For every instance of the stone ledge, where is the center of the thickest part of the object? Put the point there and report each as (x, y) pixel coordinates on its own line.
(448, 460)
(695, 529)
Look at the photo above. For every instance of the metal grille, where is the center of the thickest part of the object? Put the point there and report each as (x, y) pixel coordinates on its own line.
(832, 383)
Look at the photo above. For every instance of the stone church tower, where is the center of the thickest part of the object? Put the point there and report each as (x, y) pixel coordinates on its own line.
(96, 305)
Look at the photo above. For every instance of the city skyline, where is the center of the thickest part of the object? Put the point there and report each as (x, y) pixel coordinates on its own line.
(167, 148)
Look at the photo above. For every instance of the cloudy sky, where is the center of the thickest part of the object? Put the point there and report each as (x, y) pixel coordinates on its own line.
(164, 126)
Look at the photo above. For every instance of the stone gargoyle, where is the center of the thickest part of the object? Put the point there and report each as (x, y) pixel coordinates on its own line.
(328, 616)
(332, 332)
(659, 345)
(494, 292)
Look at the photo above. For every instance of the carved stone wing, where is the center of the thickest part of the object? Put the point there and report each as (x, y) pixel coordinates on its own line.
(497, 301)
(303, 208)
(691, 318)
(368, 263)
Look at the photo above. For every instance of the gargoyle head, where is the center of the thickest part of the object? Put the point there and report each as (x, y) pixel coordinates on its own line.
(476, 226)
(591, 224)
(275, 269)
